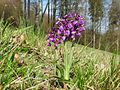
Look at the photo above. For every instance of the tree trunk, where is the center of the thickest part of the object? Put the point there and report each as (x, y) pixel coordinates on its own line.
(54, 11)
(85, 35)
(28, 9)
(25, 13)
(61, 8)
(36, 17)
(51, 12)
(48, 11)
(66, 6)
(100, 35)
(76, 5)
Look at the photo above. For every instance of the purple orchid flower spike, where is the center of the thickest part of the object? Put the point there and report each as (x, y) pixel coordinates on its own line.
(67, 28)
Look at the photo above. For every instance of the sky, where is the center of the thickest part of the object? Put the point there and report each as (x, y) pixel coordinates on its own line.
(105, 20)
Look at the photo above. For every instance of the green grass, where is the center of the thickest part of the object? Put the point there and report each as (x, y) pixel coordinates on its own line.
(40, 66)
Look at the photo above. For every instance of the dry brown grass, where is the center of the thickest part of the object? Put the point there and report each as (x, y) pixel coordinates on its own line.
(10, 10)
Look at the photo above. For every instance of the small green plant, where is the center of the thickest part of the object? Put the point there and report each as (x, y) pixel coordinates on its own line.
(67, 29)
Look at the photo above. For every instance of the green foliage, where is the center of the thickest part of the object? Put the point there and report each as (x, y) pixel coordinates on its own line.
(19, 72)
(68, 59)
(41, 67)
(87, 70)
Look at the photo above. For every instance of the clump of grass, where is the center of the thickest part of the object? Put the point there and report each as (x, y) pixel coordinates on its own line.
(31, 64)
(20, 63)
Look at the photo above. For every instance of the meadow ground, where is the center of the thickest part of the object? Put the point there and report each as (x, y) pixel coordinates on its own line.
(27, 63)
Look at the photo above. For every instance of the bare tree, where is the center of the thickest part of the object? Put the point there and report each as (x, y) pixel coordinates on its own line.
(25, 12)
(48, 11)
(36, 17)
(114, 22)
(96, 12)
(61, 8)
(54, 10)
(28, 9)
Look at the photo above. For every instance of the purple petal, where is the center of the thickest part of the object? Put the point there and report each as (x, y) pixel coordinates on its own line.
(63, 38)
(50, 34)
(81, 29)
(63, 21)
(58, 23)
(71, 21)
(49, 44)
(58, 36)
(65, 17)
(69, 16)
(67, 32)
(76, 25)
(61, 28)
(78, 34)
(59, 41)
(51, 39)
(73, 32)
(77, 17)
(75, 22)
(70, 26)
(56, 45)
(59, 32)
(73, 37)
(81, 22)
(54, 30)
